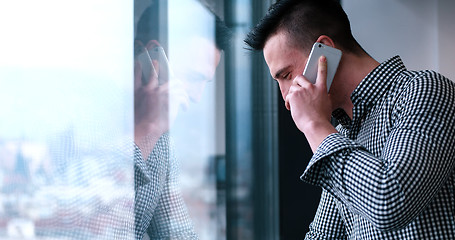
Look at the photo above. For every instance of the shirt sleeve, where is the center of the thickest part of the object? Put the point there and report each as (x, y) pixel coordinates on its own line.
(171, 219)
(149, 182)
(327, 223)
(159, 207)
(392, 189)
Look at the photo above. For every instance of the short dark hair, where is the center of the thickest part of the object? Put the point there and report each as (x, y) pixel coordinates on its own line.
(223, 34)
(305, 21)
(148, 25)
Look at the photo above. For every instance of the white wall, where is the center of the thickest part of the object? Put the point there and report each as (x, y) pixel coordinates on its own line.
(446, 21)
(420, 31)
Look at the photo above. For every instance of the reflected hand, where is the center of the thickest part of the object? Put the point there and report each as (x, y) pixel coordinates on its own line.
(155, 106)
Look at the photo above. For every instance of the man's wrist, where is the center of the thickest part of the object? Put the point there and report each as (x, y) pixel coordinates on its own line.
(316, 132)
(146, 137)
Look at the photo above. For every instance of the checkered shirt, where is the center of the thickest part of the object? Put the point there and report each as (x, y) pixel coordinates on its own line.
(388, 172)
(159, 208)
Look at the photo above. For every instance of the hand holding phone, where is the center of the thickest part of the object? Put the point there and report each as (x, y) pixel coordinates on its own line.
(333, 57)
(146, 58)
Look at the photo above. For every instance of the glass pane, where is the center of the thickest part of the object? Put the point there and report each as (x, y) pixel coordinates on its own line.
(179, 121)
(66, 131)
(201, 190)
(199, 128)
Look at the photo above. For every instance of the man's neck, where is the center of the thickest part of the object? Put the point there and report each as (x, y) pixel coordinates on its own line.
(351, 71)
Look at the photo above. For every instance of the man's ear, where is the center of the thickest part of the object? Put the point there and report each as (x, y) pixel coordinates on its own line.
(326, 40)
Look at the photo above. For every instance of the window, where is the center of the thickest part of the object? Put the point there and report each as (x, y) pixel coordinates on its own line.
(69, 110)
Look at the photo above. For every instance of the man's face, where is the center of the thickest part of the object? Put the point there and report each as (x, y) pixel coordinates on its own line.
(197, 63)
(285, 61)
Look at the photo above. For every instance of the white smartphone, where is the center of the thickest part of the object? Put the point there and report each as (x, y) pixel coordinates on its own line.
(165, 71)
(333, 57)
(146, 57)
(147, 66)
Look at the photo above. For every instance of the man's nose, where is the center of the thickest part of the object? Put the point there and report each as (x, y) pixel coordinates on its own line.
(283, 95)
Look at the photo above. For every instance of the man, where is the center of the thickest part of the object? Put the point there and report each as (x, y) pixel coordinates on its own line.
(387, 169)
(160, 212)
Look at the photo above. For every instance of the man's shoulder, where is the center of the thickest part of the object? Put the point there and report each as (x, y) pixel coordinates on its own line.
(423, 75)
(424, 89)
(425, 80)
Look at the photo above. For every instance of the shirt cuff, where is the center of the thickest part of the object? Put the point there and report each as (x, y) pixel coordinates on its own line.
(325, 168)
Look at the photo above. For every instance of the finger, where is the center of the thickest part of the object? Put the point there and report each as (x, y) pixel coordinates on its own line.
(301, 81)
(294, 88)
(138, 53)
(152, 43)
(178, 100)
(138, 46)
(322, 72)
(182, 99)
(137, 75)
(287, 103)
(147, 72)
(155, 66)
(177, 95)
(154, 75)
(180, 93)
(296, 85)
(152, 82)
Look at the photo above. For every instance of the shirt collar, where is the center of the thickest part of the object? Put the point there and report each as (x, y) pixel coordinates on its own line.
(377, 82)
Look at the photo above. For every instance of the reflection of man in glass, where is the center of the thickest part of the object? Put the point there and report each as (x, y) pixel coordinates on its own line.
(160, 212)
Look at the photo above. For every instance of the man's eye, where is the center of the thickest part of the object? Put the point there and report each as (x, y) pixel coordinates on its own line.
(286, 76)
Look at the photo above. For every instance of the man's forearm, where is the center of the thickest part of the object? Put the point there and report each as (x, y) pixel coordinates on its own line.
(316, 132)
(146, 138)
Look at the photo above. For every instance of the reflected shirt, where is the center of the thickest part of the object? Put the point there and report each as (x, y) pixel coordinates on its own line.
(388, 172)
(160, 212)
